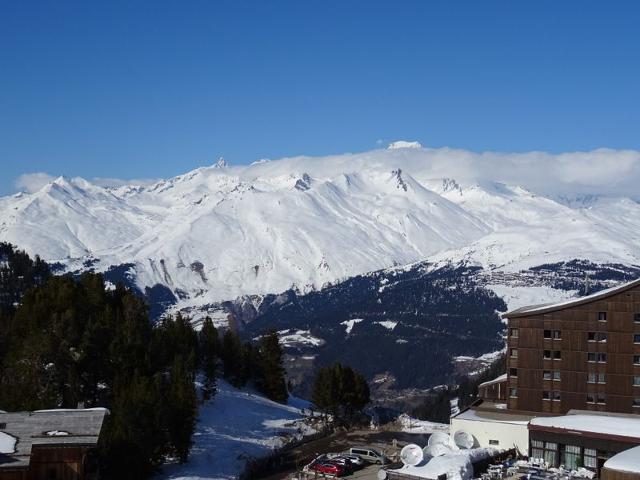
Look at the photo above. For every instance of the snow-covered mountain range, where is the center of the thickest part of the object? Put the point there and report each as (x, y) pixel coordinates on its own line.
(220, 232)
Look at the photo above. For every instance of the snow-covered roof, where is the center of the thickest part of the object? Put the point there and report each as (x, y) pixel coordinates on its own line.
(627, 426)
(500, 379)
(457, 465)
(22, 430)
(551, 307)
(494, 416)
(626, 461)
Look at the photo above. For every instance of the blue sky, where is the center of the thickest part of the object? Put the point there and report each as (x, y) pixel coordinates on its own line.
(137, 89)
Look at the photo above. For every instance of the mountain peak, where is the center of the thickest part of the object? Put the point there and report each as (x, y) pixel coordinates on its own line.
(221, 163)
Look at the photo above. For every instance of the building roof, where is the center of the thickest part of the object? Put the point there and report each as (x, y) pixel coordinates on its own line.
(625, 461)
(494, 416)
(47, 427)
(622, 427)
(500, 379)
(552, 307)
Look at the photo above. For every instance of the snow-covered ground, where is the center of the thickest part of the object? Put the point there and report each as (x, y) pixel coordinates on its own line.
(413, 425)
(235, 426)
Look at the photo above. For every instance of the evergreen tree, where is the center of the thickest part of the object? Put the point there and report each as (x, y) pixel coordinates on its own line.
(209, 349)
(273, 383)
(232, 358)
(181, 409)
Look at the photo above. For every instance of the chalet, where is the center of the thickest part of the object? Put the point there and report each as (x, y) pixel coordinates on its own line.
(50, 444)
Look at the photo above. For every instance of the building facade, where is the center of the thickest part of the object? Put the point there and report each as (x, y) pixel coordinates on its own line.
(582, 354)
(50, 444)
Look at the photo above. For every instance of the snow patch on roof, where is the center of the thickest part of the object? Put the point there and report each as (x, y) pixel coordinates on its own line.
(7, 443)
(623, 426)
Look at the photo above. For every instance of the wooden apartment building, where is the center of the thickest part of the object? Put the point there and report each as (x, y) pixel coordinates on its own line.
(581, 354)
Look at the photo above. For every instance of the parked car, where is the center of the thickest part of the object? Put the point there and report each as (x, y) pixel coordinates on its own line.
(327, 468)
(343, 462)
(355, 460)
(371, 455)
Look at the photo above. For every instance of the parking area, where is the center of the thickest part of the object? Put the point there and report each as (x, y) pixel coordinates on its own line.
(388, 442)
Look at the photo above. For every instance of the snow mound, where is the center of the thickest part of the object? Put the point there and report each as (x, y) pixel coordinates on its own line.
(413, 425)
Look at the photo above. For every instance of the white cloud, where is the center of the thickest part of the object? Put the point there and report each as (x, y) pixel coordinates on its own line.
(120, 182)
(32, 182)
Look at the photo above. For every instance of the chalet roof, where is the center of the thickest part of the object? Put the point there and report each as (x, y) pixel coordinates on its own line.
(500, 379)
(48, 427)
(552, 307)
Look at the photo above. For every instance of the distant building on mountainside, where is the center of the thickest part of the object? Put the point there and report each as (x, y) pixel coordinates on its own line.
(571, 392)
(50, 444)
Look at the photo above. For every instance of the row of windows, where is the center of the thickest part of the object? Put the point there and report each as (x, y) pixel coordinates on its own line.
(555, 395)
(557, 335)
(594, 357)
(571, 456)
(592, 377)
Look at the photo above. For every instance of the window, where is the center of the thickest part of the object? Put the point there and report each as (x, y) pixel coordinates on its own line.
(513, 332)
(636, 338)
(514, 353)
(601, 378)
(600, 398)
(537, 449)
(556, 375)
(513, 392)
(601, 357)
(597, 337)
(636, 317)
(494, 442)
(591, 398)
(636, 359)
(555, 396)
(546, 374)
(602, 316)
(3, 426)
(513, 372)
(547, 334)
(550, 453)
(591, 357)
(571, 456)
(590, 458)
(546, 354)
(557, 335)
(546, 395)
(636, 381)
(636, 402)
(557, 355)
(594, 377)
(544, 450)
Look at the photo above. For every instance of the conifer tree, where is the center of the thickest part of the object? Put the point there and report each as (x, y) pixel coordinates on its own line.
(209, 348)
(181, 409)
(272, 368)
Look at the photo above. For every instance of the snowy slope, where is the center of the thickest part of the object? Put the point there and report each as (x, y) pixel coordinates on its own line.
(235, 426)
(220, 232)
